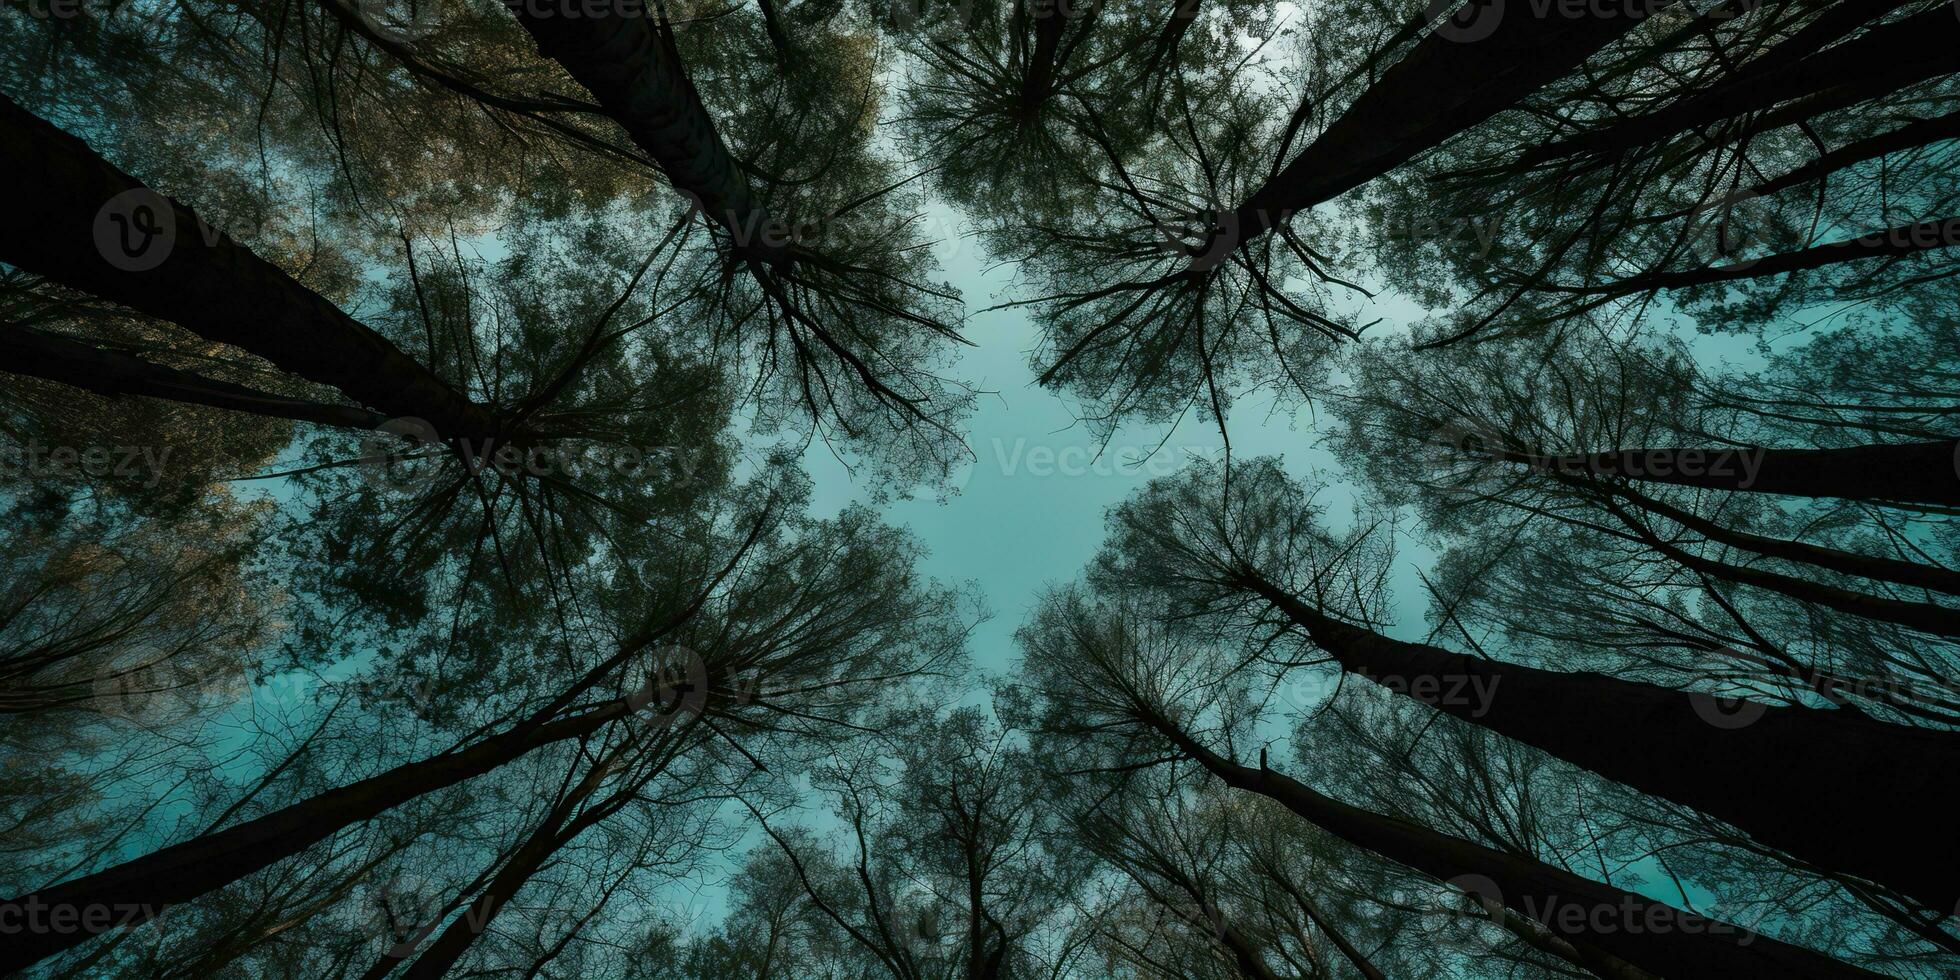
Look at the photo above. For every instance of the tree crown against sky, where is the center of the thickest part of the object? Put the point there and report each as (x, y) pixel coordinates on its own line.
(465, 466)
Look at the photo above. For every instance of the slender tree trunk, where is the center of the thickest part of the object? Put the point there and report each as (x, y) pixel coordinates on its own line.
(1898, 242)
(1838, 790)
(558, 828)
(778, 38)
(1650, 935)
(1334, 934)
(1905, 473)
(1881, 61)
(1464, 73)
(1184, 13)
(1585, 956)
(1245, 953)
(34, 353)
(1925, 132)
(1924, 616)
(133, 893)
(629, 65)
(76, 219)
(1910, 573)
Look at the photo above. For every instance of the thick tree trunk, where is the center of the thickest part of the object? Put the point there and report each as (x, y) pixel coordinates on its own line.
(1883, 60)
(133, 893)
(1905, 473)
(33, 353)
(1650, 935)
(1454, 79)
(1838, 790)
(622, 57)
(76, 219)
(1038, 84)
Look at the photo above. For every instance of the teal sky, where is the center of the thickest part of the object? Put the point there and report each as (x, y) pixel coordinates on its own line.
(1030, 505)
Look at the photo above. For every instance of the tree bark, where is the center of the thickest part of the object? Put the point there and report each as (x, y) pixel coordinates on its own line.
(142, 888)
(1837, 790)
(1650, 935)
(74, 218)
(1901, 473)
(632, 70)
(50, 357)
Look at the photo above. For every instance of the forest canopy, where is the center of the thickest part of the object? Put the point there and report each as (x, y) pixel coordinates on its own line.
(519, 489)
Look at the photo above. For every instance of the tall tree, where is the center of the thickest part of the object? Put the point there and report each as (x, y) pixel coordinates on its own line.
(1237, 543)
(1108, 677)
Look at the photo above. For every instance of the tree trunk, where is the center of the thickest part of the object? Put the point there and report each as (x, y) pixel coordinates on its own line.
(1923, 616)
(1184, 13)
(1340, 940)
(1904, 240)
(1903, 473)
(557, 829)
(133, 893)
(1585, 956)
(1881, 61)
(1650, 935)
(36, 354)
(778, 39)
(77, 220)
(633, 71)
(1925, 132)
(1039, 82)
(1454, 79)
(1834, 789)
(1910, 573)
